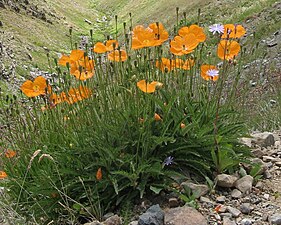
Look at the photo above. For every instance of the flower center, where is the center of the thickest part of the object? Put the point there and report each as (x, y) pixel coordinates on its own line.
(36, 88)
(212, 73)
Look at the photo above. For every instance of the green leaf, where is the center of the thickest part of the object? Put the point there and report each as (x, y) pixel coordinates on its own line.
(155, 189)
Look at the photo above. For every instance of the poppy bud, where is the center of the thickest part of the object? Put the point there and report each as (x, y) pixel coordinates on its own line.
(157, 117)
(159, 85)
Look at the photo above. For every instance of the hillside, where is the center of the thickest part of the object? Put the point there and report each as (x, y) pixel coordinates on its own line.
(31, 28)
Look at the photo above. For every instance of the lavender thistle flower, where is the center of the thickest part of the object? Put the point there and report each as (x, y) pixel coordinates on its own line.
(168, 161)
(216, 28)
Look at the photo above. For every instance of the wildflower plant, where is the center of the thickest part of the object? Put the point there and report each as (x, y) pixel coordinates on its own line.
(120, 121)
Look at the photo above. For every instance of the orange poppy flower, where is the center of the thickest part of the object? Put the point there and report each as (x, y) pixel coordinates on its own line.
(76, 94)
(73, 96)
(188, 64)
(154, 35)
(209, 72)
(85, 92)
(118, 56)
(3, 175)
(10, 153)
(110, 45)
(157, 117)
(228, 49)
(165, 64)
(35, 88)
(56, 99)
(194, 29)
(159, 32)
(170, 64)
(148, 87)
(74, 56)
(82, 69)
(183, 45)
(99, 174)
(233, 31)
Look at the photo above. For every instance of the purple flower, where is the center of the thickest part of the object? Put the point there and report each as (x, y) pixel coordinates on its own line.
(212, 73)
(168, 161)
(216, 28)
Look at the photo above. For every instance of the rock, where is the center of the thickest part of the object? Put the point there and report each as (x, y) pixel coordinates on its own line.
(246, 141)
(206, 200)
(263, 139)
(245, 208)
(234, 212)
(227, 221)
(236, 193)
(266, 196)
(133, 223)
(275, 219)
(258, 152)
(184, 216)
(246, 222)
(244, 184)
(225, 180)
(113, 220)
(197, 189)
(271, 43)
(259, 185)
(87, 21)
(228, 215)
(107, 215)
(267, 174)
(173, 202)
(222, 209)
(221, 199)
(266, 158)
(94, 223)
(278, 163)
(153, 216)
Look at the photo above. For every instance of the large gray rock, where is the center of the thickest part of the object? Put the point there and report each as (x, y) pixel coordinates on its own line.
(275, 219)
(245, 184)
(263, 139)
(225, 180)
(113, 220)
(228, 221)
(153, 216)
(184, 216)
(198, 190)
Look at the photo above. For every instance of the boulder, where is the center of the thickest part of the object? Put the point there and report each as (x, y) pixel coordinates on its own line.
(184, 216)
(225, 180)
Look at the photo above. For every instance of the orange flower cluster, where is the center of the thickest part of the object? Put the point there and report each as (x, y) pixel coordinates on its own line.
(148, 87)
(111, 46)
(80, 65)
(228, 49)
(167, 65)
(188, 40)
(10, 153)
(73, 95)
(3, 174)
(233, 31)
(154, 35)
(35, 88)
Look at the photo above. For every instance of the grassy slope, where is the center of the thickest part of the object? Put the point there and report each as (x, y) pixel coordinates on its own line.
(32, 34)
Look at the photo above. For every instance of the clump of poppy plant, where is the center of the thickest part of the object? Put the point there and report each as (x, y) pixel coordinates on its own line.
(123, 117)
